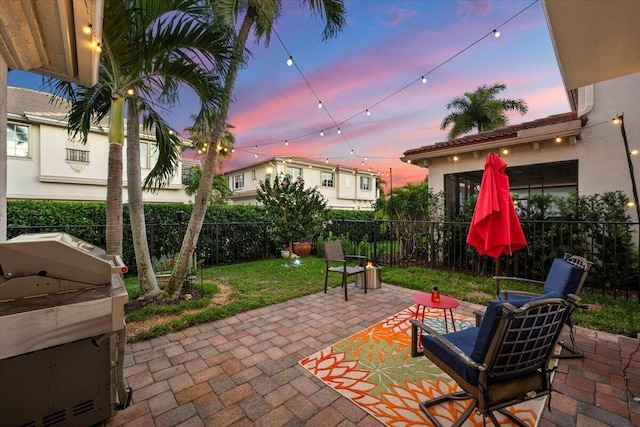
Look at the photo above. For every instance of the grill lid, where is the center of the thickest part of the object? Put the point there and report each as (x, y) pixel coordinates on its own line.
(55, 255)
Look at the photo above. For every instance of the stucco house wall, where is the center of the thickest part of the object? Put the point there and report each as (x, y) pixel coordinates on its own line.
(46, 174)
(590, 138)
(345, 193)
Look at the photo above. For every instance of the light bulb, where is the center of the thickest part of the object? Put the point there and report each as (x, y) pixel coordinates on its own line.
(424, 79)
(290, 61)
(130, 91)
(456, 158)
(409, 161)
(319, 104)
(321, 133)
(351, 152)
(327, 161)
(505, 151)
(255, 155)
(368, 112)
(630, 204)
(617, 121)
(362, 163)
(170, 131)
(97, 46)
(558, 139)
(286, 142)
(366, 158)
(255, 148)
(634, 152)
(87, 29)
(496, 33)
(339, 131)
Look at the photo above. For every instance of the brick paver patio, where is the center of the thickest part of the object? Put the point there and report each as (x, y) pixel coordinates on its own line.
(243, 371)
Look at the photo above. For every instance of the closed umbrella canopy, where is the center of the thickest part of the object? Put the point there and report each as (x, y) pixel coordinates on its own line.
(495, 227)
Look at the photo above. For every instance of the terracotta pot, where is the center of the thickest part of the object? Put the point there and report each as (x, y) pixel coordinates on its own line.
(302, 249)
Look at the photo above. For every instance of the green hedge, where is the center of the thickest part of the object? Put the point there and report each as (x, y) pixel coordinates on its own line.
(246, 237)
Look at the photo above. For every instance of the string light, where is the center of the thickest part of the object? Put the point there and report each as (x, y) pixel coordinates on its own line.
(634, 152)
(286, 142)
(558, 139)
(456, 158)
(496, 33)
(351, 152)
(339, 131)
(617, 120)
(130, 91)
(327, 161)
(87, 29)
(505, 151)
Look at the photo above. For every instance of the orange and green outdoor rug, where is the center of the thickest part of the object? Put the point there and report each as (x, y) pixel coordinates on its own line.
(375, 370)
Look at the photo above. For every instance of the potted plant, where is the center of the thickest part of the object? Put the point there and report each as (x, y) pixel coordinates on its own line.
(295, 212)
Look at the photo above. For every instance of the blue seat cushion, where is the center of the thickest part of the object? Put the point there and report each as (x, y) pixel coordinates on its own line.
(464, 340)
(563, 278)
(474, 342)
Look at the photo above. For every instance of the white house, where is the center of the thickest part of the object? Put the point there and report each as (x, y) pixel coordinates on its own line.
(343, 187)
(582, 150)
(43, 163)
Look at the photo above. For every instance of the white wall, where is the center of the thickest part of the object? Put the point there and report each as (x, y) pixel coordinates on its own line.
(47, 175)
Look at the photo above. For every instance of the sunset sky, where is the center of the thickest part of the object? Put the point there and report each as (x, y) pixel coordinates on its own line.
(376, 63)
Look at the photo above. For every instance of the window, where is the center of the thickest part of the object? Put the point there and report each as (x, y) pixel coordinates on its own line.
(327, 179)
(294, 172)
(17, 140)
(365, 183)
(238, 181)
(148, 154)
(77, 155)
(254, 175)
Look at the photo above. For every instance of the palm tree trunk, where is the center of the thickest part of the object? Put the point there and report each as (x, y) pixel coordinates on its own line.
(114, 180)
(146, 279)
(190, 241)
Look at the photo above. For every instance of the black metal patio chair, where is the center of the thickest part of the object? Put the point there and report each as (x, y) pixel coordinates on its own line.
(503, 362)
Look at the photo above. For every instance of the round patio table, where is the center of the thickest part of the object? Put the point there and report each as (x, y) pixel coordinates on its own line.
(446, 304)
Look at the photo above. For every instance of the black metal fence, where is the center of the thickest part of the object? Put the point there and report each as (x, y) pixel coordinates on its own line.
(613, 247)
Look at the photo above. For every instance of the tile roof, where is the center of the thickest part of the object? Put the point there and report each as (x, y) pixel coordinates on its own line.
(22, 102)
(504, 132)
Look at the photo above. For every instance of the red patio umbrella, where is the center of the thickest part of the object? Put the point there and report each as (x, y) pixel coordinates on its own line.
(495, 227)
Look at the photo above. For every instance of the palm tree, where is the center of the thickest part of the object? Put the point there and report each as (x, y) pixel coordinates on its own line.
(259, 15)
(150, 50)
(480, 110)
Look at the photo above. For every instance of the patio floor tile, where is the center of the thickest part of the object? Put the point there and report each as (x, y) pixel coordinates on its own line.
(243, 371)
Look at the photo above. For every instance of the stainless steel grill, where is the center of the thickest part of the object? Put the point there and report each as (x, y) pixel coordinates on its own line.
(62, 332)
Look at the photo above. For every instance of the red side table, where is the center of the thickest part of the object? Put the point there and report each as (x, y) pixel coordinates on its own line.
(446, 304)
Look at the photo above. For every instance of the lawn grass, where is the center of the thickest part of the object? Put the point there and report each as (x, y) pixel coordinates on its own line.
(262, 283)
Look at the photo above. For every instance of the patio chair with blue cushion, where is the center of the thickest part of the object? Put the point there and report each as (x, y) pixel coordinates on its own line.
(503, 362)
(337, 262)
(566, 276)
